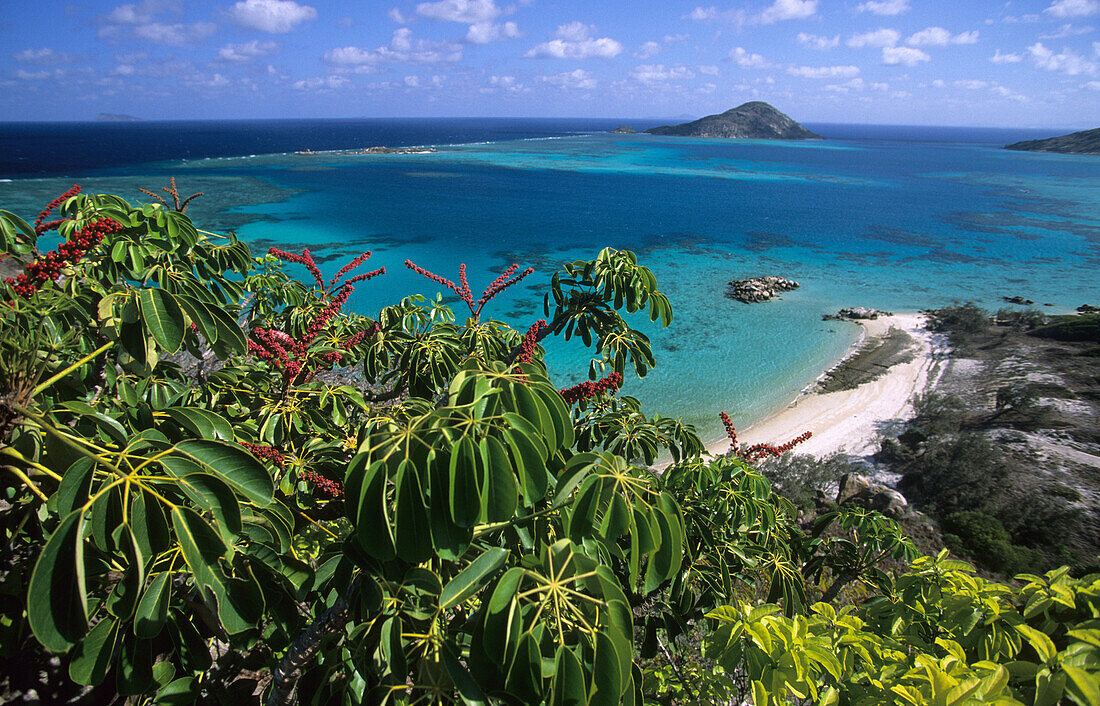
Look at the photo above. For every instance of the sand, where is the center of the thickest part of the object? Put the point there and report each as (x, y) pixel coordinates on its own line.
(866, 392)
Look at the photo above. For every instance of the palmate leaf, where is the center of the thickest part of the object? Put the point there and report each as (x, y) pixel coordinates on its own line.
(233, 465)
(472, 578)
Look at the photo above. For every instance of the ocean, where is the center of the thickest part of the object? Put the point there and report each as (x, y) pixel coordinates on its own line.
(890, 217)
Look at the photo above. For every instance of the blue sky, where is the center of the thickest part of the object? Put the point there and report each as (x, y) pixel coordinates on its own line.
(960, 62)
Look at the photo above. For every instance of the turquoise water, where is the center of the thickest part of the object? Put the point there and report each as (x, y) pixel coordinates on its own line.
(883, 223)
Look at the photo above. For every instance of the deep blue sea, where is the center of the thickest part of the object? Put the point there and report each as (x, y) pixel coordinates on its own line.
(892, 217)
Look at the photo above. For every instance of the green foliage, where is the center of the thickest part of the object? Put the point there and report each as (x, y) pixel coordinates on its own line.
(199, 452)
(1071, 328)
(961, 322)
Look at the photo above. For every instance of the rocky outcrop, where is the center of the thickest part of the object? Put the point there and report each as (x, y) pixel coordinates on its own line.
(759, 289)
(754, 120)
(856, 489)
(624, 130)
(858, 313)
(1084, 142)
(1018, 300)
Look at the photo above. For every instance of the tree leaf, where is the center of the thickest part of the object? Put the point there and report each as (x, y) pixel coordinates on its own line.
(152, 610)
(568, 688)
(203, 422)
(232, 464)
(412, 528)
(472, 578)
(92, 656)
(56, 597)
(163, 317)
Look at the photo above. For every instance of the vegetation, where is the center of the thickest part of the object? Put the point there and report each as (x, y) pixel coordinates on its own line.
(219, 486)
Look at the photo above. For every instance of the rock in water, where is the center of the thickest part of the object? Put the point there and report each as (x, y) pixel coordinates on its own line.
(755, 120)
(759, 289)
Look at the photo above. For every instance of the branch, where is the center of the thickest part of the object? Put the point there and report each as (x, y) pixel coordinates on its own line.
(286, 674)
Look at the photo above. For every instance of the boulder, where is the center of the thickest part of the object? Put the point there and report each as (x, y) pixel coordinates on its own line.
(856, 314)
(857, 490)
(759, 289)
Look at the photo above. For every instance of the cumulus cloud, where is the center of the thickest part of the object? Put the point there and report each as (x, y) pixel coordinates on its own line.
(320, 83)
(575, 41)
(485, 32)
(1066, 30)
(464, 11)
(506, 83)
(579, 79)
(877, 38)
(1073, 8)
(748, 60)
(648, 50)
(713, 14)
(659, 73)
(143, 20)
(240, 53)
(999, 58)
(886, 8)
(272, 16)
(42, 57)
(139, 13)
(788, 10)
(940, 37)
(395, 15)
(820, 43)
(401, 49)
(824, 71)
(707, 70)
(905, 56)
(1068, 62)
(855, 86)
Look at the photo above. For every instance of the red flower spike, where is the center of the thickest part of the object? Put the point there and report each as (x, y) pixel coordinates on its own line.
(332, 488)
(266, 452)
(39, 228)
(758, 451)
(495, 287)
(47, 268)
(589, 388)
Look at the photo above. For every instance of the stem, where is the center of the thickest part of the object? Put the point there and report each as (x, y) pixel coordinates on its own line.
(28, 482)
(9, 451)
(675, 668)
(286, 674)
(482, 530)
(74, 366)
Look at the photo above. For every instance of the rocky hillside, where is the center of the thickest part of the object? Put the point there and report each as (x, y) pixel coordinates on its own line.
(756, 120)
(1084, 142)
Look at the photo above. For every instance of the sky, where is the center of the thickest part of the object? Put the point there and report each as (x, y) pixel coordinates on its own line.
(904, 62)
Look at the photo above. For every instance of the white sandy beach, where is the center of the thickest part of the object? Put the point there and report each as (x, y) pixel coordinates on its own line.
(848, 420)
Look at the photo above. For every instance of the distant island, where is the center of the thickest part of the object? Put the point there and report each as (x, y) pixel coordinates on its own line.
(624, 130)
(1084, 142)
(116, 118)
(754, 120)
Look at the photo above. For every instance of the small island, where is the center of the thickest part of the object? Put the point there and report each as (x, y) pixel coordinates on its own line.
(116, 118)
(759, 289)
(1083, 142)
(624, 130)
(369, 150)
(755, 120)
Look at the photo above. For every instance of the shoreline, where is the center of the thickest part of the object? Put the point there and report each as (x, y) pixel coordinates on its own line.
(894, 359)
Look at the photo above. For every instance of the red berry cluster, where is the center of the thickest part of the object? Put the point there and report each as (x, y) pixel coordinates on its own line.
(758, 451)
(269, 453)
(277, 347)
(47, 268)
(331, 487)
(589, 388)
(39, 226)
(498, 285)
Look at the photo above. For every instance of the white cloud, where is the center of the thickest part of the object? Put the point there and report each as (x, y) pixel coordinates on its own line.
(139, 13)
(412, 81)
(856, 84)
(1066, 30)
(272, 16)
(999, 58)
(820, 43)
(42, 57)
(877, 38)
(506, 83)
(673, 38)
(658, 73)
(1068, 62)
(401, 49)
(575, 41)
(24, 75)
(885, 8)
(707, 14)
(906, 56)
(395, 15)
(788, 10)
(1073, 8)
(648, 50)
(747, 60)
(824, 71)
(485, 32)
(320, 83)
(464, 11)
(971, 85)
(940, 37)
(175, 35)
(707, 70)
(579, 79)
(1094, 85)
(248, 51)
